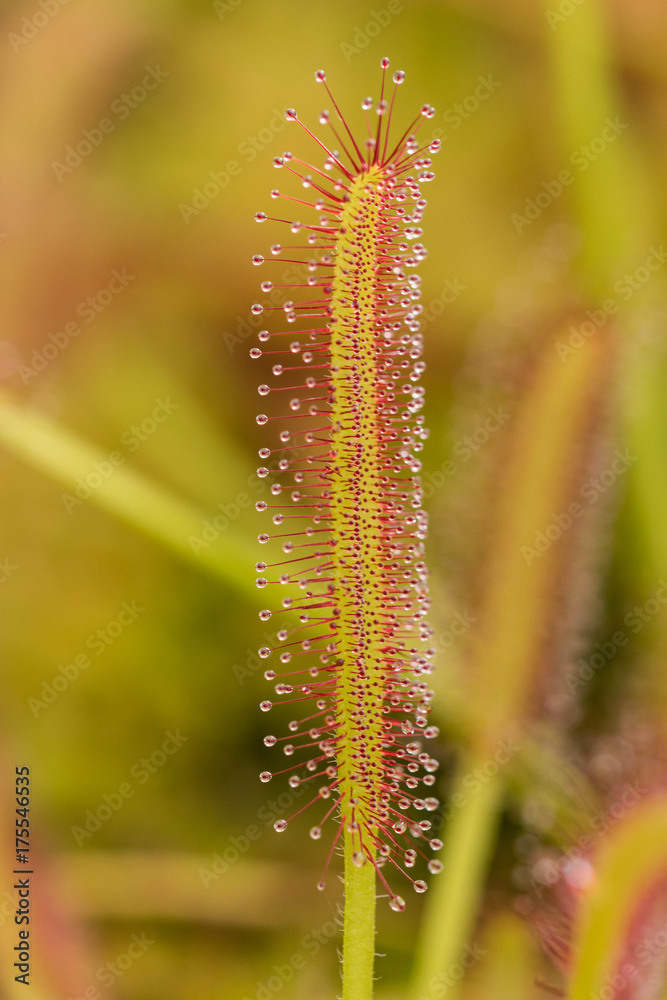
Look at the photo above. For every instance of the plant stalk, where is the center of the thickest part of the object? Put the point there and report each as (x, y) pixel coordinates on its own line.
(455, 893)
(358, 927)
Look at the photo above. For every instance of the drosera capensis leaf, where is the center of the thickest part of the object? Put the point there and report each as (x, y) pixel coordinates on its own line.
(346, 506)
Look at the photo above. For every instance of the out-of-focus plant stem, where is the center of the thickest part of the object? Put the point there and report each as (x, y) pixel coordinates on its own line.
(125, 493)
(468, 839)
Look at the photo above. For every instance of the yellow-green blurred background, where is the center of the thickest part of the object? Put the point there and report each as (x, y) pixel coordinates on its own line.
(166, 351)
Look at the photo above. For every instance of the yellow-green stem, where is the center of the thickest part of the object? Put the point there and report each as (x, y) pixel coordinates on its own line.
(468, 839)
(358, 927)
(355, 447)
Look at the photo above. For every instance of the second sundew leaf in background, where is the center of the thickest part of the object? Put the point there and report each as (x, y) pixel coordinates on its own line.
(619, 932)
(534, 583)
(532, 591)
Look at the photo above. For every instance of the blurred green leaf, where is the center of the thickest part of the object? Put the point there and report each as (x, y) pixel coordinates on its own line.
(125, 493)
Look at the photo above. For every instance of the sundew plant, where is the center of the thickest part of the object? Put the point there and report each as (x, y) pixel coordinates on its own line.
(346, 539)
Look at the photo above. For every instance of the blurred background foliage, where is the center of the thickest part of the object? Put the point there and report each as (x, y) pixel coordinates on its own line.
(177, 329)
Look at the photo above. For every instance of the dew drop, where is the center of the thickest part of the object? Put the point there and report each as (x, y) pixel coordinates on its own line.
(270, 741)
(263, 390)
(263, 538)
(420, 886)
(260, 216)
(435, 867)
(261, 419)
(255, 352)
(266, 706)
(265, 776)
(294, 781)
(280, 825)
(320, 76)
(269, 675)
(261, 582)
(264, 652)
(316, 832)
(397, 903)
(290, 115)
(399, 76)
(257, 259)
(321, 885)
(257, 308)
